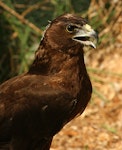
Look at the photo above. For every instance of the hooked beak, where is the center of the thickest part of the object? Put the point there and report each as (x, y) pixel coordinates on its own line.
(86, 36)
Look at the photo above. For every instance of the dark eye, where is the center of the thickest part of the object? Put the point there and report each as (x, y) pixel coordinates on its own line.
(70, 28)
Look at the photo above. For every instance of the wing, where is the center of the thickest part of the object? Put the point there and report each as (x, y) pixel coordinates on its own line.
(31, 108)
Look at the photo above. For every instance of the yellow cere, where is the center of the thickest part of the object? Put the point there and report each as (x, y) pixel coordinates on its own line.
(87, 27)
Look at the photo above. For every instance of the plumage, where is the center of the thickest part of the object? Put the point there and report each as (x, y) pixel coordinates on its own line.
(36, 105)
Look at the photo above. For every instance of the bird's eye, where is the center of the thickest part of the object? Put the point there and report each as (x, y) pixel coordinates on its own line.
(70, 28)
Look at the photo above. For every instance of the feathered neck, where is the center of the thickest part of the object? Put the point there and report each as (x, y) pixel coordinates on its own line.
(51, 61)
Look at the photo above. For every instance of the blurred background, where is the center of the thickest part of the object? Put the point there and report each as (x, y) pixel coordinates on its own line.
(22, 23)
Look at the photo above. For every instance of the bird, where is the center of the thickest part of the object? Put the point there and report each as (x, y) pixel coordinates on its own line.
(36, 105)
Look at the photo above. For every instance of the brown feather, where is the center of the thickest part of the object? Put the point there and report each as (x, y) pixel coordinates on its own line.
(36, 105)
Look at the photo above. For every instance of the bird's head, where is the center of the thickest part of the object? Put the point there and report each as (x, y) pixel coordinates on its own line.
(68, 31)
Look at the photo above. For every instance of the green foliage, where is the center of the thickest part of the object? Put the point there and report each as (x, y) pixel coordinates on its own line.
(81, 6)
(5, 44)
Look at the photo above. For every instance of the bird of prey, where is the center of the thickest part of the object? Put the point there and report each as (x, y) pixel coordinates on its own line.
(36, 105)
